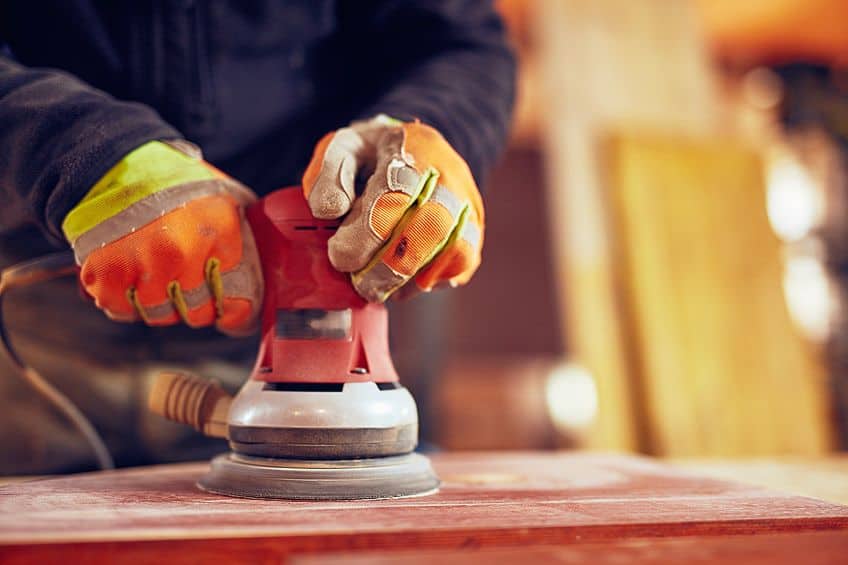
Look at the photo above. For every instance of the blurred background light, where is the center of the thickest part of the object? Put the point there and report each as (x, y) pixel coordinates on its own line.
(572, 397)
(795, 204)
(809, 296)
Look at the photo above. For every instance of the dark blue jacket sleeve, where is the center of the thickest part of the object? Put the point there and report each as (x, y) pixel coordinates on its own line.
(58, 136)
(445, 62)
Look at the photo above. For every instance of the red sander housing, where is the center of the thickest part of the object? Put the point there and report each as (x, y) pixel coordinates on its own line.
(323, 414)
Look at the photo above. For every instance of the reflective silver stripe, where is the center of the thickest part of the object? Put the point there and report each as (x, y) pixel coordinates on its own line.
(471, 233)
(236, 285)
(141, 213)
(193, 298)
(448, 199)
(158, 312)
(241, 282)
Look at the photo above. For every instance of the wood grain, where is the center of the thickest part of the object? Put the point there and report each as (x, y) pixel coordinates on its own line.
(488, 500)
(825, 478)
(723, 370)
(816, 548)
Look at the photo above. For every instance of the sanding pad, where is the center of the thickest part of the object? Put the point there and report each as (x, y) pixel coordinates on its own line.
(245, 476)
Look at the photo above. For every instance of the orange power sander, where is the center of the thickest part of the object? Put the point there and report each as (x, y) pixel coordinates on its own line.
(322, 415)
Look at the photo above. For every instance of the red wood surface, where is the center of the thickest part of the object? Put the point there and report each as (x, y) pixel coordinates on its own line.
(807, 548)
(488, 500)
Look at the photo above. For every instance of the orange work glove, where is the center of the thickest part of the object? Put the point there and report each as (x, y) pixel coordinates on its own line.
(420, 216)
(162, 238)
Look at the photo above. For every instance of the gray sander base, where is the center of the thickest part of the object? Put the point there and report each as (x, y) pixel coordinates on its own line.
(322, 443)
(245, 476)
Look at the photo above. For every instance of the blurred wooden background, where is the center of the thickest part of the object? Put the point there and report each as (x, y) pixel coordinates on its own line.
(632, 292)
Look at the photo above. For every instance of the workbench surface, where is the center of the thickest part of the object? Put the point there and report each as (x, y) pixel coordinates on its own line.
(488, 500)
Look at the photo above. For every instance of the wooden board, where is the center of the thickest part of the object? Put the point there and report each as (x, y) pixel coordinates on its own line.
(488, 500)
(825, 478)
(723, 369)
(809, 548)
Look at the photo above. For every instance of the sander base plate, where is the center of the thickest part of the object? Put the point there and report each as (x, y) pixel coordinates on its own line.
(246, 476)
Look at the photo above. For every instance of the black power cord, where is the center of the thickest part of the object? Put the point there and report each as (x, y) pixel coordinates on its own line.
(24, 274)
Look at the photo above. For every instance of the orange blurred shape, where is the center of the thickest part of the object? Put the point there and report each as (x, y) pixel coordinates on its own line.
(775, 31)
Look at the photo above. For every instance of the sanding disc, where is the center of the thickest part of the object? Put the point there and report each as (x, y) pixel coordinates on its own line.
(245, 476)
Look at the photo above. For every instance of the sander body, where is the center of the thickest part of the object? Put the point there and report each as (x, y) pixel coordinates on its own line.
(324, 385)
(323, 415)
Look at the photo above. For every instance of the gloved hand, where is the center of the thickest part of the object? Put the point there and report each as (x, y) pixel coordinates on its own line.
(420, 215)
(162, 237)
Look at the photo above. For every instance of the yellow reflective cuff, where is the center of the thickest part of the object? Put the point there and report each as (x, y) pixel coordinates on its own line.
(149, 169)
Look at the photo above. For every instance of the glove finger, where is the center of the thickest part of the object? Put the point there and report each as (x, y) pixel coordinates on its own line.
(195, 307)
(101, 277)
(410, 290)
(123, 317)
(453, 266)
(238, 292)
(422, 235)
(456, 263)
(159, 314)
(431, 150)
(389, 193)
(329, 182)
(174, 254)
(230, 299)
(237, 317)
